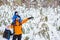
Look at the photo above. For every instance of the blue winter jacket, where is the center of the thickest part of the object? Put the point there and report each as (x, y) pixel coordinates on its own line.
(14, 18)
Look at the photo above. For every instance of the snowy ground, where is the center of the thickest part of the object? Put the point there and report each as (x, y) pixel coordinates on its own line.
(38, 28)
(1, 38)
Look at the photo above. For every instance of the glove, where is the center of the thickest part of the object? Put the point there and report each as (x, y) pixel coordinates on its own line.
(12, 23)
(30, 17)
(18, 16)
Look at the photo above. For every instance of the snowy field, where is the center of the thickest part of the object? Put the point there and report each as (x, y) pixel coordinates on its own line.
(44, 26)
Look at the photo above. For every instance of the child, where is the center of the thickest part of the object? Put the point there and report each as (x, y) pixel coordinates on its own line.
(7, 33)
(15, 16)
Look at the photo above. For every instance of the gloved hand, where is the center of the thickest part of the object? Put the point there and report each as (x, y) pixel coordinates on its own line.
(12, 23)
(18, 16)
(30, 17)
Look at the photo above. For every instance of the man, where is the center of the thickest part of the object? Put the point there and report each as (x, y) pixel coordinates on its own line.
(17, 28)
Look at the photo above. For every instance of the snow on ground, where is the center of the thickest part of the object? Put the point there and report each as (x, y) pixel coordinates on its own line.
(37, 28)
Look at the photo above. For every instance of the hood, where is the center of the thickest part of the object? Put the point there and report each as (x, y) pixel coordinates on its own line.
(15, 12)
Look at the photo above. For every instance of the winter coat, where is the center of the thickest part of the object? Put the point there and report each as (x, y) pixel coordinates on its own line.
(7, 34)
(17, 27)
(15, 16)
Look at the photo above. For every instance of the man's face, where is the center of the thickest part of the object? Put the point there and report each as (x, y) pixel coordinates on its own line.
(17, 18)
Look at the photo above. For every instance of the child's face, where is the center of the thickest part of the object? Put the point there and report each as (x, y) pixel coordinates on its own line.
(16, 13)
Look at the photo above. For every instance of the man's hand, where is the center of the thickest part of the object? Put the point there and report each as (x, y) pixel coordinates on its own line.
(12, 23)
(30, 17)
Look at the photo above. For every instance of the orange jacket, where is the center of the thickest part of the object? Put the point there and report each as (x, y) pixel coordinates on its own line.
(18, 28)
